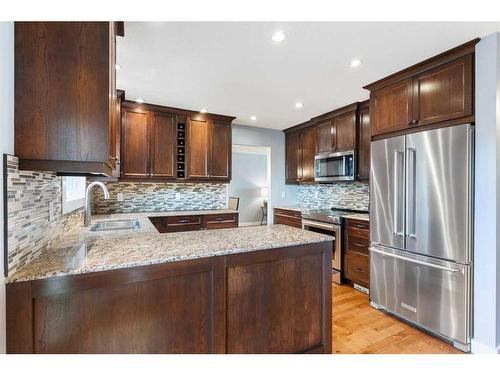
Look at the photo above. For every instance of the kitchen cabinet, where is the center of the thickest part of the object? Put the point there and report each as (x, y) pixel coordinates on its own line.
(291, 218)
(300, 149)
(163, 134)
(65, 97)
(334, 131)
(355, 253)
(208, 149)
(148, 144)
(364, 140)
(293, 157)
(135, 143)
(185, 223)
(162, 143)
(221, 143)
(325, 137)
(438, 92)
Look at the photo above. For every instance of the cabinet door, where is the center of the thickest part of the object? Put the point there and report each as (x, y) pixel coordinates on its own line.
(325, 133)
(163, 145)
(392, 107)
(445, 92)
(135, 143)
(364, 144)
(221, 151)
(345, 132)
(308, 143)
(198, 149)
(292, 157)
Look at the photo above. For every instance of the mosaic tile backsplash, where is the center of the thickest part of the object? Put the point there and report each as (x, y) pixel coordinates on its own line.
(158, 197)
(351, 195)
(29, 230)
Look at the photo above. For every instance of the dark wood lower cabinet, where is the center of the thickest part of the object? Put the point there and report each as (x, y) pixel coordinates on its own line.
(165, 224)
(270, 301)
(356, 254)
(291, 218)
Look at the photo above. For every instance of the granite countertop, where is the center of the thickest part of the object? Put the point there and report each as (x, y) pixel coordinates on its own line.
(291, 208)
(81, 251)
(358, 216)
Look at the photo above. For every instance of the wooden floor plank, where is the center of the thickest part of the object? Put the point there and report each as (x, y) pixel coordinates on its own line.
(358, 328)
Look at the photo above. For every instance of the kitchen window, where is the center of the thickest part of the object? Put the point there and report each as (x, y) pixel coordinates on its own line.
(73, 193)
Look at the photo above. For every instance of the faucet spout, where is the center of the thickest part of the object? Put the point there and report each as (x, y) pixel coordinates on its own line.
(87, 220)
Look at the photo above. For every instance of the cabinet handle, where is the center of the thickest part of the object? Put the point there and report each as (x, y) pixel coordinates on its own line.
(359, 244)
(358, 269)
(183, 221)
(360, 226)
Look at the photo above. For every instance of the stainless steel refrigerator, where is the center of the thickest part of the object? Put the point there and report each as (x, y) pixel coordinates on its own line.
(421, 235)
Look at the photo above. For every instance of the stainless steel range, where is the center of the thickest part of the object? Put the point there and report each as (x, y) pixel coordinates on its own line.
(331, 222)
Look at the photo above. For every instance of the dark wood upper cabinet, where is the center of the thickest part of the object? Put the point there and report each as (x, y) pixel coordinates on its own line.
(293, 155)
(333, 131)
(325, 136)
(221, 150)
(198, 149)
(445, 93)
(135, 143)
(65, 96)
(392, 107)
(345, 132)
(163, 145)
(308, 147)
(438, 92)
(364, 140)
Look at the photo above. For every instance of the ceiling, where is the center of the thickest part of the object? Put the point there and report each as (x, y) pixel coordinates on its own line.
(234, 68)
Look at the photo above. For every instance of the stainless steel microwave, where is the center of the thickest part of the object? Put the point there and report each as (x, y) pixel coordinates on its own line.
(334, 166)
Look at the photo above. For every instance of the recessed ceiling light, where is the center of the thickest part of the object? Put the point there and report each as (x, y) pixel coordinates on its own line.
(139, 100)
(253, 118)
(355, 63)
(279, 36)
(299, 105)
(117, 67)
(203, 110)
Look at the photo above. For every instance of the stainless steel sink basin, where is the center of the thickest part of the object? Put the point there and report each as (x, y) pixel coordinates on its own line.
(116, 225)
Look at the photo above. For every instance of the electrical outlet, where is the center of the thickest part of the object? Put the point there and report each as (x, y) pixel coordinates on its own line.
(283, 194)
(119, 197)
(177, 196)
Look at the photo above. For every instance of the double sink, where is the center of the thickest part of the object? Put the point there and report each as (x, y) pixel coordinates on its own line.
(116, 225)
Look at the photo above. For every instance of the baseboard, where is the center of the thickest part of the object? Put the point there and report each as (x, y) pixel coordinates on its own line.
(480, 348)
(250, 224)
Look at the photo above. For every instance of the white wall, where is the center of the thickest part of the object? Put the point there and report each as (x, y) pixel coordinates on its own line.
(486, 336)
(281, 194)
(6, 140)
(249, 176)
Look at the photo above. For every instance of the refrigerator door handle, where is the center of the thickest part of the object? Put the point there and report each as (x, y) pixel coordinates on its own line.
(410, 191)
(396, 185)
(416, 261)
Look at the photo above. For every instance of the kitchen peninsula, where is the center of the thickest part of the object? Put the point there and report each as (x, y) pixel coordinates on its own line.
(240, 290)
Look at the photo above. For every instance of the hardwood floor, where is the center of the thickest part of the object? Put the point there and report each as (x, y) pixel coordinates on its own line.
(360, 329)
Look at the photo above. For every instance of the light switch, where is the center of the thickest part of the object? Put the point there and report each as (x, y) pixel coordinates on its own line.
(119, 197)
(178, 196)
(283, 194)
(51, 212)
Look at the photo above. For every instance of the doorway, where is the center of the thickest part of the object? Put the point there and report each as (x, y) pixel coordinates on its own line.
(251, 183)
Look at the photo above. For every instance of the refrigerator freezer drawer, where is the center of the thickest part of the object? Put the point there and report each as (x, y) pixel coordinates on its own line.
(431, 293)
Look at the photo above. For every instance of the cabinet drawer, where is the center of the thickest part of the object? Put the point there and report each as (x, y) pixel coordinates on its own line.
(290, 213)
(220, 221)
(356, 243)
(183, 223)
(357, 267)
(359, 228)
(287, 220)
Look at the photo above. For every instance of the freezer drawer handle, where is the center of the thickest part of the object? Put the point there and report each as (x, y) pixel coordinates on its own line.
(454, 270)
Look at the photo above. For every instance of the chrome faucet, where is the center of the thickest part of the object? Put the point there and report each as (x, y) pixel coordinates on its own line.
(87, 199)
